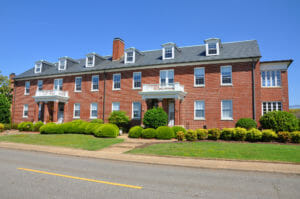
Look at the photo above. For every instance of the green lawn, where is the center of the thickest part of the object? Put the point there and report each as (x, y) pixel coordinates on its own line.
(87, 142)
(241, 151)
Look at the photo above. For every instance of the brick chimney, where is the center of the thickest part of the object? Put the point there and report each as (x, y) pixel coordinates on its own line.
(11, 80)
(118, 49)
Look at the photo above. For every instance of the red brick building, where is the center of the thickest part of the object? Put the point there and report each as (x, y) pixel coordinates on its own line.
(210, 85)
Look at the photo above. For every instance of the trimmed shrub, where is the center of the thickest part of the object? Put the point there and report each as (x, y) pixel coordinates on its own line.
(191, 135)
(82, 127)
(7, 126)
(227, 133)
(91, 127)
(295, 136)
(52, 128)
(268, 135)
(135, 132)
(1, 127)
(148, 133)
(254, 135)
(120, 119)
(37, 126)
(279, 121)
(73, 127)
(107, 131)
(98, 121)
(214, 134)
(178, 128)
(246, 123)
(25, 126)
(180, 135)
(239, 134)
(155, 118)
(202, 134)
(164, 133)
(284, 136)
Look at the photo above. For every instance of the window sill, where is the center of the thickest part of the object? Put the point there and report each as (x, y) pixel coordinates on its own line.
(136, 88)
(25, 116)
(26, 94)
(227, 119)
(271, 87)
(94, 90)
(76, 117)
(92, 118)
(77, 91)
(199, 86)
(199, 119)
(116, 89)
(226, 84)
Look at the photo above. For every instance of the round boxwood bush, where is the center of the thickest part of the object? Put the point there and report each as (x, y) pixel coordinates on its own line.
(1, 127)
(254, 135)
(268, 135)
(107, 131)
(98, 121)
(191, 135)
(214, 134)
(246, 123)
(164, 133)
(180, 135)
(37, 126)
(135, 132)
(239, 134)
(120, 119)
(279, 121)
(284, 136)
(91, 127)
(202, 134)
(178, 128)
(155, 118)
(51, 128)
(227, 133)
(148, 133)
(295, 136)
(25, 126)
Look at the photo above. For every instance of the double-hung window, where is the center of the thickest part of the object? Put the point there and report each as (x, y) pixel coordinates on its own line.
(212, 48)
(136, 110)
(166, 77)
(95, 82)
(76, 113)
(78, 81)
(62, 64)
(199, 76)
(199, 110)
(168, 52)
(137, 80)
(58, 84)
(226, 110)
(38, 68)
(27, 88)
(40, 85)
(94, 110)
(130, 56)
(25, 110)
(90, 61)
(115, 106)
(271, 78)
(271, 106)
(117, 81)
(226, 75)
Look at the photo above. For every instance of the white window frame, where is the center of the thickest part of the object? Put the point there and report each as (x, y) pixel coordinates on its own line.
(62, 83)
(91, 110)
(132, 112)
(195, 117)
(271, 78)
(92, 83)
(272, 108)
(75, 86)
(64, 66)
(38, 83)
(164, 52)
(112, 106)
(74, 109)
(86, 61)
(113, 83)
(167, 77)
(226, 84)
(40, 67)
(134, 73)
(25, 108)
(225, 118)
(25, 91)
(133, 57)
(199, 85)
(217, 48)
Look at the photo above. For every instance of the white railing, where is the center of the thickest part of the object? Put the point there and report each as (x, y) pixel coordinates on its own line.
(51, 93)
(163, 87)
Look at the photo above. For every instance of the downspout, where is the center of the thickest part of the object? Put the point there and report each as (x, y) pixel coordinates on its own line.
(103, 116)
(14, 102)
(253, 90)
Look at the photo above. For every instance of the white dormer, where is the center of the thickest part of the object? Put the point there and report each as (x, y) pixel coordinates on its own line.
(91, 59)
(212, 46)
(168, 50)
(63, 62)
(129, 56)
(38, 67)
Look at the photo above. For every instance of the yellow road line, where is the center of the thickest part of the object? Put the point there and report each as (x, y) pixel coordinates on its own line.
(85, 179)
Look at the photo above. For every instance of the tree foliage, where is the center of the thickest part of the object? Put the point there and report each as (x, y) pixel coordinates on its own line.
(5, 87)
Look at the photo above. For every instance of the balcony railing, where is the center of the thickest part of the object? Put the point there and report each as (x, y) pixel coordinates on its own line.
(163, 87)
(51, 95)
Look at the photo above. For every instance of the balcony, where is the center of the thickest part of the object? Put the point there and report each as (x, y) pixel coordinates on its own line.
(163, 91)
(51, 95)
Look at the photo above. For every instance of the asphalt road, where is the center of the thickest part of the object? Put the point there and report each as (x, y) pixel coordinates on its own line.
(156, 181)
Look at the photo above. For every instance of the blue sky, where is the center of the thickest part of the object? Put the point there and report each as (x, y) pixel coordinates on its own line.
(35, 30)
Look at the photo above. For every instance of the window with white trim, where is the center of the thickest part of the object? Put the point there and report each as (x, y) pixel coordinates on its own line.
(115, 106)
(199, 76)
(40, 85)
(199, 109)
(136, 110)
(38, 68)
(95, 82)
(271, 78)
(226, 106)
(129, 57)
(226, 75)
(166, 77)
(27, 88)
(168, 52)
(117, 81)
(58, 84)
(90, 61)
(62, 64)
(94, 110)
(212, 48)
(76, 113)
(271, 106)
(78, 81)
(25, 110)
(137, 80)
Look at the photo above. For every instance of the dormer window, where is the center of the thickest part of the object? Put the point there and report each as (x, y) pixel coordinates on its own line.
(212, 49)
(38, 68)
(62, 64)
(212, 46)
(168, 51)
(130, 57)
(90, 61)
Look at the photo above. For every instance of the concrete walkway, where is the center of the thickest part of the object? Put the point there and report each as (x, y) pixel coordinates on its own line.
(116, 152)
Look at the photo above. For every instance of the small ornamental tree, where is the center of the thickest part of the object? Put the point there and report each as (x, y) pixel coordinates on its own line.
(279, 121)
(120, 119)
(155, 118)
(4, 109)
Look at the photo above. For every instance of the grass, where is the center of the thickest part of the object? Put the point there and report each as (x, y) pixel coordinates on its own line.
(86, 142)
(240, 151)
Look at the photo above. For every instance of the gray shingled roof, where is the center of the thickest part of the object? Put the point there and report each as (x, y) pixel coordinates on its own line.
(230, 50)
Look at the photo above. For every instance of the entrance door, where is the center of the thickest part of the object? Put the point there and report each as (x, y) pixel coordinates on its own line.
(171, 114)
(41, 112)
(60, 114)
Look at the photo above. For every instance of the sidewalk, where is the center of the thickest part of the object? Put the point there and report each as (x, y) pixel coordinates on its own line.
(116, 152)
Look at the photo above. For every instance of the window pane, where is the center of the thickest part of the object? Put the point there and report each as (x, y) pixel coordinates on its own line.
(199, 109)
(171, 76)
(199, 76)
(212, 48)
(278, 74)
(163, 76)
(137, 80)
(226, 75)
(273, 78)
(168, 52)
(115, 106)
(90, 61)
(40, 85)
(129, 56)
(268, 78)
(227, 109)
(279, 106)
(78, 83)
(136, 109)
(117, 83)
(263, 79)
(95, 82)
(77, 110)
(94, 110)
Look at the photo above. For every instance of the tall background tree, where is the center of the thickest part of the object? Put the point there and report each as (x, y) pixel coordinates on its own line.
(5, 99)
(5, 88)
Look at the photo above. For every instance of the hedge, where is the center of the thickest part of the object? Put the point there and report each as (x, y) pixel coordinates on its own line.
(214, 134)
(295, 136)
(254, 135)
(164, 133)
(178, 128)
(37, 126)
(25, 126)
(91, 127)
(239, 134)
(107, 131)
(284, 136)
(191, 135)
(135, 132)
(268, 135)
(202, 134)
(51, 128)
(148, 133)
(180, 135)
(1, 127)
(227, 133)
(246, 123)
(98, 121)
(279, 121)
